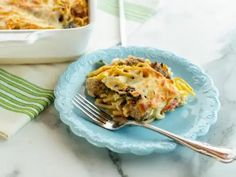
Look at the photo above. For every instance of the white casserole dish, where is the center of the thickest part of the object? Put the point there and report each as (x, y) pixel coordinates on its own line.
(45, 46)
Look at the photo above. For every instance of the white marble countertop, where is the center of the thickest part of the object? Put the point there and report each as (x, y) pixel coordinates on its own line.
(46, 147)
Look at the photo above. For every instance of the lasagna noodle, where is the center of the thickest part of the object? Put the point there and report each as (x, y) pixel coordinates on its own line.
(43, 14)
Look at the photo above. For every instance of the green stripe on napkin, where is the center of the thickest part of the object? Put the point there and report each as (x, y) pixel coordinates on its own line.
(19, 95)
(134, 12)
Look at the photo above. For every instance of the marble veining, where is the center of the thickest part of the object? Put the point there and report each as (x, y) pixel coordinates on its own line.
(117, 162)
(14, 173)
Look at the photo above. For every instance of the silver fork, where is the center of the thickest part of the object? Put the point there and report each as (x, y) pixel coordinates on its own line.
(104, 120)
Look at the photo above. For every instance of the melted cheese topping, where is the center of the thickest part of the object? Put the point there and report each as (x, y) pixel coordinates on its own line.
(133, 88)
(43, 14)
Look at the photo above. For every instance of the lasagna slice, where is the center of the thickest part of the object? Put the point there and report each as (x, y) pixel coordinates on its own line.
(134, 88)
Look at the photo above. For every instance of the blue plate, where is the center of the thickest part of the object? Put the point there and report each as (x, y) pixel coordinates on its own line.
(192, 120)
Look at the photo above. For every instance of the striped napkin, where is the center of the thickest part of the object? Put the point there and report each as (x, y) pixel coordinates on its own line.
(26, 90)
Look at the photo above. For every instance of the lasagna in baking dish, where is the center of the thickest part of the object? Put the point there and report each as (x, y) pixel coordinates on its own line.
(43, 14)
(134, 88)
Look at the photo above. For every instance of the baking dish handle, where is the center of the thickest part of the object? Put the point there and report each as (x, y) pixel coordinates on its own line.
(22, 39)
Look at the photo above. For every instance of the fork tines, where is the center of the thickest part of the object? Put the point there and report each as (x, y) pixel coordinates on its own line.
(89, 109)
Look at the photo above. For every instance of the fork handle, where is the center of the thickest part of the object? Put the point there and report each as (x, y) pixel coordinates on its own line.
(220, 153)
